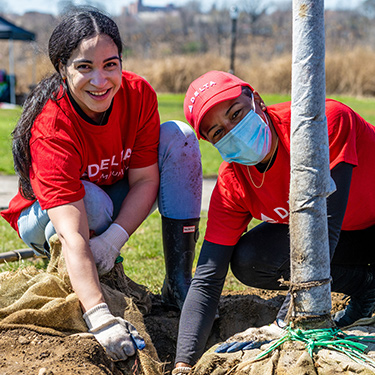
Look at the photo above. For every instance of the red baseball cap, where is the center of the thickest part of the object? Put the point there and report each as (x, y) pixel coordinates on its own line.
(208, 90)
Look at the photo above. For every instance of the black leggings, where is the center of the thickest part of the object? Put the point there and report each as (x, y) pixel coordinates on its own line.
(262, 256)
(259, 260)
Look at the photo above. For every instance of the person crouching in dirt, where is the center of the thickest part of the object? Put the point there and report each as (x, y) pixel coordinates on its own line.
(89, 159)
(253, 182)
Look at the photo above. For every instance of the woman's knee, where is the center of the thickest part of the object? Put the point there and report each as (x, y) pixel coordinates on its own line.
(261, 256)
(99, 207)
(169, 130)
(249, 268)
(31, 225)
(243, 264)
(180, 167)
(177, 139)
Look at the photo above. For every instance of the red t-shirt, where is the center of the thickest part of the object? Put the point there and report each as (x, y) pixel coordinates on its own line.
(235, 200)
(66, 149)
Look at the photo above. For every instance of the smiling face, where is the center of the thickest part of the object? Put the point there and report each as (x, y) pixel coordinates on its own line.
(93, 74)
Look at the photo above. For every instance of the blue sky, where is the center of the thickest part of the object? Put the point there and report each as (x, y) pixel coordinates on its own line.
(114, 6)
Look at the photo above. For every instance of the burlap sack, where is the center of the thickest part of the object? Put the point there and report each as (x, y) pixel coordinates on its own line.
(44, 301)
(291, 358)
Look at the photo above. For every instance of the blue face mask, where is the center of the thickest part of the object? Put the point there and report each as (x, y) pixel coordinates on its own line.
(248, 142)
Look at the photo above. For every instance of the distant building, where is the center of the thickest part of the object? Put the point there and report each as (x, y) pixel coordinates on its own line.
(138, 7)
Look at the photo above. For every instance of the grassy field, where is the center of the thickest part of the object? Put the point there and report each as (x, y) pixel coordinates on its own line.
(143, 253)
(171, 107)
(8, 119)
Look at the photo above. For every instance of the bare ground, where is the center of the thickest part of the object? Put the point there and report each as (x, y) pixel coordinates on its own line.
(30, 352)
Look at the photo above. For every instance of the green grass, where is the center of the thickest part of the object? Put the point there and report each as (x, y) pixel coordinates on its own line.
(144, 259)
(143, 253)
(171, 108)
(9, 239)
(8, 119)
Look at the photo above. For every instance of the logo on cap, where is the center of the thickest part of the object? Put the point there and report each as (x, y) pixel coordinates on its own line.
(205, 87)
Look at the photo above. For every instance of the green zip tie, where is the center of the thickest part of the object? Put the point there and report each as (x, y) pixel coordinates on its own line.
(333, 339)
(119, 259)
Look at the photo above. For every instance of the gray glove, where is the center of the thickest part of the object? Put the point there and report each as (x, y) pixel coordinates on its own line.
(106, 247)
(118, 337)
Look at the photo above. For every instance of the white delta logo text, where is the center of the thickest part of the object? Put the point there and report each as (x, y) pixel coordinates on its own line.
(107, 164)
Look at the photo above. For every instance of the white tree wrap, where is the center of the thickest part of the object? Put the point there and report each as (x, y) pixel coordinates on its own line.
(310, 182)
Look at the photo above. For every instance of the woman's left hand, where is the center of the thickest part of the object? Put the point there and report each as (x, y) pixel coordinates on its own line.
(106, 247)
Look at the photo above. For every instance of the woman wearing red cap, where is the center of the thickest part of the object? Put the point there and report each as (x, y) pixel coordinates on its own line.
(253, 182)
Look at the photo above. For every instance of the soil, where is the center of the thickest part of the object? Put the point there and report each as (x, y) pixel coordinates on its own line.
(30, 352)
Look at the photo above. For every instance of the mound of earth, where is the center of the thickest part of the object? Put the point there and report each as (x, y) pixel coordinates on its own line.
(24, 351)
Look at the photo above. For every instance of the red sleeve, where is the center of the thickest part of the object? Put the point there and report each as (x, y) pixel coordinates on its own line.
(143, 96)
(55, 172)
(352, 140)
(227, 216)
(341, 122)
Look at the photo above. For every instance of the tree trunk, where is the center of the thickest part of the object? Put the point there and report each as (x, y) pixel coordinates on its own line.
(310, 182)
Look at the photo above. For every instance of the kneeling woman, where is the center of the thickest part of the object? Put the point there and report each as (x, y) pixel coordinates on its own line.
(253, 182)
(88, 155)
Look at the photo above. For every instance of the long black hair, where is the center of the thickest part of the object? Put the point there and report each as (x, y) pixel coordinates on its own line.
(79, 24)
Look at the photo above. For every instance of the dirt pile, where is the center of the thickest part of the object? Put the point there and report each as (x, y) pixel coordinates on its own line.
(24, 351)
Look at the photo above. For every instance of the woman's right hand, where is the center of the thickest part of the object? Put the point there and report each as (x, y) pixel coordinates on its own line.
(119, 338)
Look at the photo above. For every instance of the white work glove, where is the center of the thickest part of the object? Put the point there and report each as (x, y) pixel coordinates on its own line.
(252, 338)
(106, 247)
(118, 337)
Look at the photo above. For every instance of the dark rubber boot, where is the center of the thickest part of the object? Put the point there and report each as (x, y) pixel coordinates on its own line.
(179, 239)
(361, 305)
